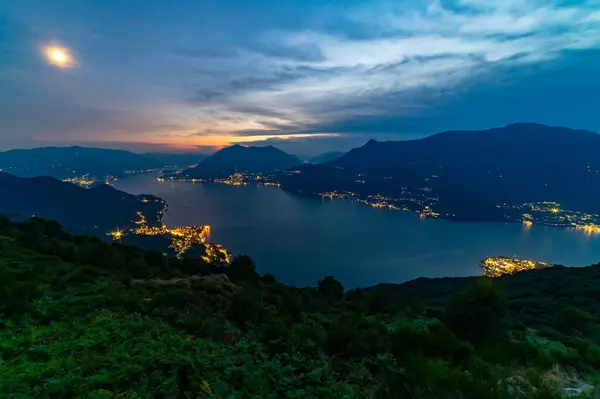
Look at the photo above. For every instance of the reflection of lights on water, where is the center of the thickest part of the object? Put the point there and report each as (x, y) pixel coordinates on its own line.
(589, 229)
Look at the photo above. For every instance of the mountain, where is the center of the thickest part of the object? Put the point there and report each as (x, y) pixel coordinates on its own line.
(238, 158)
(469, 175)
(181, 160)
(99, 209)
(68, 162)
(326, 157)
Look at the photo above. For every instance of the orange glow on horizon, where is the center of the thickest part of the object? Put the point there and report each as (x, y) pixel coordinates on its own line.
(215, 142)
(220, 141)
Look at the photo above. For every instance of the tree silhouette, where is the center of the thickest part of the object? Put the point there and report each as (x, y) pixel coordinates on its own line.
(330, 287)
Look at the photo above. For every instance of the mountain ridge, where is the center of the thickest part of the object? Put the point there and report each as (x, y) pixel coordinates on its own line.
(238, 158)
(467, 174)
(98, 209)
(74, 161)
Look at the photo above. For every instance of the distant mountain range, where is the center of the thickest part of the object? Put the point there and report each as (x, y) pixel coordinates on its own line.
(326, 157)
(238, 158)
(468, 175)
(68, 162)
(179, 160)
(98, 209)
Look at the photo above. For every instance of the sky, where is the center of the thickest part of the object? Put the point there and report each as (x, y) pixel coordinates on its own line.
(308, 76)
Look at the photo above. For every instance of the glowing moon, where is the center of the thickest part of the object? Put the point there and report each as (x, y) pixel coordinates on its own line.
(59, 57)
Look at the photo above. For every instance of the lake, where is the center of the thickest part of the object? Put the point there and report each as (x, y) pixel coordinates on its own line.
(300, 239)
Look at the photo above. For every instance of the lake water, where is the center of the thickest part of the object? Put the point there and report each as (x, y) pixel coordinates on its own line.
(300, 240)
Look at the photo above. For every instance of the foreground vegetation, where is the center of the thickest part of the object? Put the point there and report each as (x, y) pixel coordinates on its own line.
(81, 318)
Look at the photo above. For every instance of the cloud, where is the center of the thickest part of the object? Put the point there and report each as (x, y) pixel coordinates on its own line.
(415, 59)
(196, 70)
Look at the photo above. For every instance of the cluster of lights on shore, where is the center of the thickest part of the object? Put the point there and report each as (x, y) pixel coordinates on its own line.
(182, 238)
(550, 213)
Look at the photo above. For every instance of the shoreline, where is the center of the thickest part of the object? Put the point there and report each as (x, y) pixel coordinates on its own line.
(590, 229)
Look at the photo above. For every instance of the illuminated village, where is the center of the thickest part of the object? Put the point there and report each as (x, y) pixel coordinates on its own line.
(81, 181)
(182, 238)
(422, 202)
(551, 214)
(236, 179)
(86, 181)
(412, 200)
(497, 266)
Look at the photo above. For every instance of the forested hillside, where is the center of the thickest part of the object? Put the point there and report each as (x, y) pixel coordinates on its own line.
(81, 318)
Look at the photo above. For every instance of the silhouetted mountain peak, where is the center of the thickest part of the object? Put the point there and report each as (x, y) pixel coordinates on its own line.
(471, 173)
(237, 158)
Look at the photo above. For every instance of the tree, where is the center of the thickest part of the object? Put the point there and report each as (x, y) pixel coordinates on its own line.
(5, 224)
(331, 288)
(479, 313)
(242, 269)
(269, 279)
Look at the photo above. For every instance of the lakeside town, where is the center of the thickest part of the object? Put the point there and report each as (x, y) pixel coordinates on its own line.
(550, 213)
(496, 266)
(421, 201)
(412, 201)
(182, 238)
(87, 181)
(235, 179)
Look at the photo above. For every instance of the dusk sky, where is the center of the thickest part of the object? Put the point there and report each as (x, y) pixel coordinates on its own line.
(307, 76)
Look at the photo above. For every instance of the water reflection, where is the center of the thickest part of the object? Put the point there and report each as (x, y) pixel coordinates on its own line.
(300, 240)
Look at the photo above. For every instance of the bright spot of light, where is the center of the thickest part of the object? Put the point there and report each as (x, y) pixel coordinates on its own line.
(59, 56)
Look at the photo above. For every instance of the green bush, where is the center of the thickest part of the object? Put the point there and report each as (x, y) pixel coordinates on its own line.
(247, 307)
(571, 319)
(478, 314)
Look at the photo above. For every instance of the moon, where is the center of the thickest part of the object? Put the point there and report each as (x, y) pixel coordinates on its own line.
(59, 56)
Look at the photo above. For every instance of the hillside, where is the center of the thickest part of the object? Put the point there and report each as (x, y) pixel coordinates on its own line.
(238, 158)
(466, 175)
(84, 318)
(65, 162)
(100, 209)
(326, 157)
(98, 163)
(180, 160)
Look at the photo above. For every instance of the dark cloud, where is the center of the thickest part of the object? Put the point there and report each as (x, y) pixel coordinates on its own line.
(155, 69)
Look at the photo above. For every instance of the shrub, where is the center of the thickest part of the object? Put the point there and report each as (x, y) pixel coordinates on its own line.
(247, 306)
(479, 313)
(571, 319)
